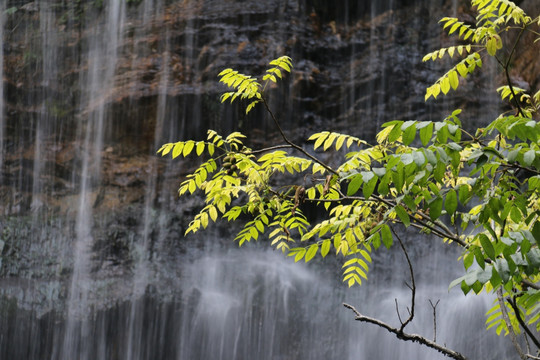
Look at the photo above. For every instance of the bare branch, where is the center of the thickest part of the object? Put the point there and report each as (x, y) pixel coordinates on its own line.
(397, 311)
(407, 337)
(507, 73)
(284, 146)
(413, 284)
(434, 307)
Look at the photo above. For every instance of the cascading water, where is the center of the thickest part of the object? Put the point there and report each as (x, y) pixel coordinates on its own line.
(102, 63)
(94, 264)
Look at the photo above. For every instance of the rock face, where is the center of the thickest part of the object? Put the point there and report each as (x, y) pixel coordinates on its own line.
(355, 68)
(92, 88)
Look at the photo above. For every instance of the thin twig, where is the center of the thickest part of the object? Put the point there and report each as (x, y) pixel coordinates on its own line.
(413, 284)
(284, 146)
(405, 336)
(434, 307)
(397, 311)
(507, 73)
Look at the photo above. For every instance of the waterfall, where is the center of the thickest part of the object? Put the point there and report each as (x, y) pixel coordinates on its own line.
(94, 261)
(97, 83)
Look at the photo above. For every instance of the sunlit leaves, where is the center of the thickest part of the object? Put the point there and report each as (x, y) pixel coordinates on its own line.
(282, 63)
(450, 80)
(439, 54)
(327, 139)
(247, 87)
(493, 43)
(453, 25)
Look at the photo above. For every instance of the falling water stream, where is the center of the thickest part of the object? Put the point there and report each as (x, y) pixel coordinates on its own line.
(94, 262)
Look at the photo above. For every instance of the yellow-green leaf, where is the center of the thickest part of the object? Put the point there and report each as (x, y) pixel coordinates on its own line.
(188, 147)
(177, 149)
(325, 247)
(453, 78)
(491, 46)
(200, 148)
(445, 85)
(462, 69)
(311, 252)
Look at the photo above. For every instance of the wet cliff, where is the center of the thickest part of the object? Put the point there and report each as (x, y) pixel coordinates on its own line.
(94, 263)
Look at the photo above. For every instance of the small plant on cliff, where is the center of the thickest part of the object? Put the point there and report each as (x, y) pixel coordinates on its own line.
(476, 189)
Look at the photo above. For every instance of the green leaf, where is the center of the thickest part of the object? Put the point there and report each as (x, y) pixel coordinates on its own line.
(408, 134)
(188, 147)
(383, 187)
(450, 202)
(435, 208)
(491, 46)
(395, 132)
(398, 177)
(299, 254)
(479, 256)
(528, 157)
(487, 246)
(453, 78)
(536, 232)
(462, 69)
(200, 148)
(533, 257)
(311, 252)
(468, 260)
(402, 214)
(177, 149)
(354, 185)
(445, 85)
(426, 133)
(325, 247)
(369, 187)
(418, 158)
(386, 235)
(501, 265)
(464, 194)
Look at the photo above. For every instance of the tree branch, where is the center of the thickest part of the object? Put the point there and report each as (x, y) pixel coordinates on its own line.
(284, 146)
(293, 145)
(531, 284)
(434, 307)
(413, 284)
(405, 336)
(506, 319)
(506, 67)
(512, 302)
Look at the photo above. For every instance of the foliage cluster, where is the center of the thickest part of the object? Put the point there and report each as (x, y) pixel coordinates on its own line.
(478, 190)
